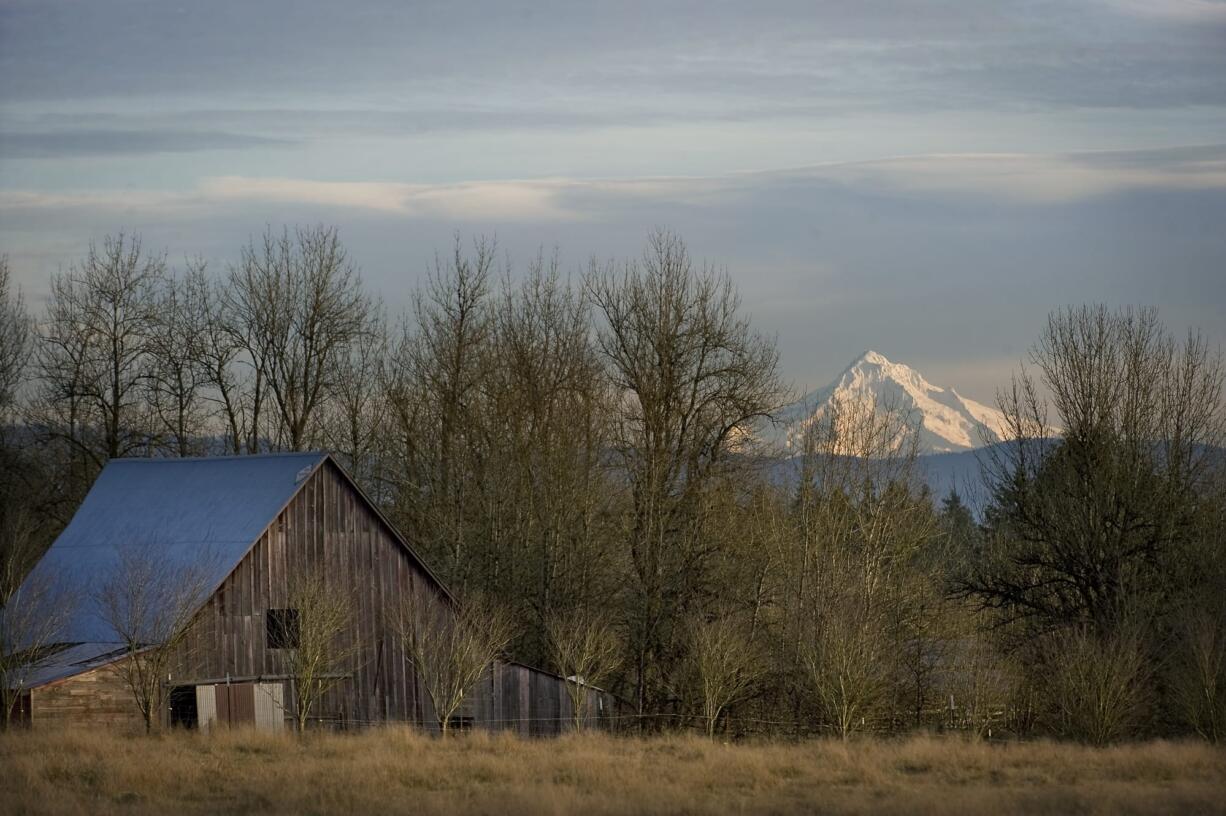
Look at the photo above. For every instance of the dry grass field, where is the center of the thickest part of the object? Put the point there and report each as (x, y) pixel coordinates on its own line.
(401, 771)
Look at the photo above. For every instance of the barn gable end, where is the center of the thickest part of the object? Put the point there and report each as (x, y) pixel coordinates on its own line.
(328, 525)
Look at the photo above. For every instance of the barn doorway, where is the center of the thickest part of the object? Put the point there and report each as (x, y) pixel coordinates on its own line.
(19, 714)
(236, 703)
(183, 710)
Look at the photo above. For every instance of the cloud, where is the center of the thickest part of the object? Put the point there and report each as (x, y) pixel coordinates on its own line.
(950, 259)
(1035, 179)
(1021, 178)
(497, 200)
(477, 201)
(55, 144)
(934, 54)
(1042, 178)
(1186, 11)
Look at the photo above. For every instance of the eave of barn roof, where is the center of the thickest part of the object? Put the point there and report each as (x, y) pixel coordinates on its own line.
(72, 659)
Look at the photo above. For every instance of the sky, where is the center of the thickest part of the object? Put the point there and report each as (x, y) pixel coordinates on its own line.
(927, 178)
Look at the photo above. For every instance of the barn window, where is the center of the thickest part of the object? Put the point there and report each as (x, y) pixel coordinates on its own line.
(282, 625)
(460, 723)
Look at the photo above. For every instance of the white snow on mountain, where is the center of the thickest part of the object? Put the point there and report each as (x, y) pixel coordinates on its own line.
(950, 421)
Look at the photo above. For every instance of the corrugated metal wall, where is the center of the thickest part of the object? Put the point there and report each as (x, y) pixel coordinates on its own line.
(270, 706)
(241, 704)
(206, 707)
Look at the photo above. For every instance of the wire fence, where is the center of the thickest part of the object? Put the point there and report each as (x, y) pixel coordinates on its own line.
(985, 723)
(660, 722)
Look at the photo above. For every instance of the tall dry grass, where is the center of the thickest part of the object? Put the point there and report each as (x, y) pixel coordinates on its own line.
(397, 770)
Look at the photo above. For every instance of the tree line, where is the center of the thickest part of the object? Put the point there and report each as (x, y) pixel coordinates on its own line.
(579, 453)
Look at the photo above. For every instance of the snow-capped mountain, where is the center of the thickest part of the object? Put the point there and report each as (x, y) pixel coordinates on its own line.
(950, 421)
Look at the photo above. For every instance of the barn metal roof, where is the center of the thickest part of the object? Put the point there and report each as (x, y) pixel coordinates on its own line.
(205, 512)
(71, 660)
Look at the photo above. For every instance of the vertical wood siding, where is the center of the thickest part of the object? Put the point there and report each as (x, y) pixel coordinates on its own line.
(327, 526)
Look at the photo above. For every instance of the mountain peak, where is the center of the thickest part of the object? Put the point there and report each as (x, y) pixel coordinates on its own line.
(871, 356)
(947, 420)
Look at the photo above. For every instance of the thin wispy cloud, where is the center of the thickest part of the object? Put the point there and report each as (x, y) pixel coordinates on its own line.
(1188, 11)
(1026, 178)
(1044, 178)
(58, 144)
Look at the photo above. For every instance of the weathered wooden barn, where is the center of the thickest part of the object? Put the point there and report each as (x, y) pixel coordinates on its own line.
(251, 523)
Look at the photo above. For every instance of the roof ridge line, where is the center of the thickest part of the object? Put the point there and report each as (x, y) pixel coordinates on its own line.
(223, 457)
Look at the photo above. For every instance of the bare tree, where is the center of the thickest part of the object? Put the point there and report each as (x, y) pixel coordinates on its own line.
(297, 303)
(149, 602)
(34, 609)
(450, 647)
(585, 651)
(1094, 518)
(1200, 666)
(220, 345)
(321, 639)
(60, 406)
(858, 482)
(32, 622)
(16, 334)
(845, 655)
(856, 616)
(353, 424)
(1098, 683)
(923, 642)
(543, 541)
(981, 683)
(91, 400)
(726, 665)
(92, 358)
(177, 377)
(20, 545)
(435, 375)
(692, 375)
(497, 460)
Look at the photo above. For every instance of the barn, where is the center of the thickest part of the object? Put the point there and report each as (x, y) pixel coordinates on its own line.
(248, 524)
